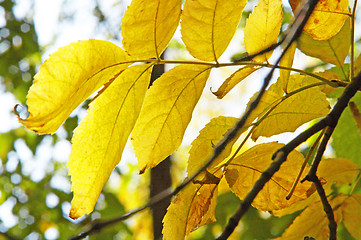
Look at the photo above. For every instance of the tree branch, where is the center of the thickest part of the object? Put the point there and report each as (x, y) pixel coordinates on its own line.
(281, 155)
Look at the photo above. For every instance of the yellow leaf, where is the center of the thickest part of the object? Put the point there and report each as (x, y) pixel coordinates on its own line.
(68, 78)
(148, 26)
(333, 50)
(262, 28)
(313, 222)
(203, 145)
(192, 208)
(336, 171)
(244, 171)
(327, 18)
(233, 80)
(285, 113)
(208, 26)
(99, 140)
(351, 211)
(287, 61)
(166, 113)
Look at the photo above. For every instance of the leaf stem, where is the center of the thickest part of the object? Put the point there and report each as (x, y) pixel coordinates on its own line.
(352, 55)
(288, 197)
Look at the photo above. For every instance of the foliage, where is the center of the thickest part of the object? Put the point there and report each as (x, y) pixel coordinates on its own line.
(157, 117)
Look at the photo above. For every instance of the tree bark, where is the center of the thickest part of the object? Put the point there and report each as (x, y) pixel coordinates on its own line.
(160, 178)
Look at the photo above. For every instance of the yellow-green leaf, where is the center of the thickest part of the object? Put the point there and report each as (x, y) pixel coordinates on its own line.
(287, 61)
(99, 140)
(351, 211)
(285, 113)
(166, 113)
(209, 25)
(233, 80)
(203, 146)
(68, 78)
(244, 171)
(262, 28)
(327, 18)
(313, 222)
(192, 208)
(148, 26)
(333, 50)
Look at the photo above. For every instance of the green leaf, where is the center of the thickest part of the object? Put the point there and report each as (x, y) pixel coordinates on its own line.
(346, 137)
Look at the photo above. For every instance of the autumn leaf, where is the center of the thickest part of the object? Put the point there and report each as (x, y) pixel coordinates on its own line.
(244, 171)
(327, 18)
(207, 27)
(166, 113)
(68, 78)
(337, 171)
(333, 50)
(203, 145)
(332, 171)
(285, 113)
(287, 61)
(233, 80)
(148, 26)
(313, 222)
(98, 142)
(351, 213)
(262, 28)
(193, 207)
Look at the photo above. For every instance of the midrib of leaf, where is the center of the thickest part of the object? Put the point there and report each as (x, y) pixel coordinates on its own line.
(174, 103)
(337, 58)
(281, 99)
(155, 30)
(213, 23)
(120, 108)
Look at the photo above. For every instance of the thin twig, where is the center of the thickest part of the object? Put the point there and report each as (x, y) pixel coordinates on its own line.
(288, 197)
(332, 225)
(320, 151)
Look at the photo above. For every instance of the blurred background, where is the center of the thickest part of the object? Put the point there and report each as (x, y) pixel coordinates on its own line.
(34, 187)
